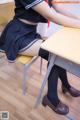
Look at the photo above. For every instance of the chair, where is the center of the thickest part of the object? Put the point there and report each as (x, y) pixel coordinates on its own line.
(27, 61)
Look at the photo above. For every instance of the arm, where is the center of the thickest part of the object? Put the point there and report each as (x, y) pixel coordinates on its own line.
(50, 14)
(61, 9)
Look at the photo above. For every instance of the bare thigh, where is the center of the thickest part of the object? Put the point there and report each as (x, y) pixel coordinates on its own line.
(33, 50)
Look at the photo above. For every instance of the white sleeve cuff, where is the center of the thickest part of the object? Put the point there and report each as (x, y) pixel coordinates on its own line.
(33, 4)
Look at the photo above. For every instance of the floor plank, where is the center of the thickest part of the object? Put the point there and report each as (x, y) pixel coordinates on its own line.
(21, 107)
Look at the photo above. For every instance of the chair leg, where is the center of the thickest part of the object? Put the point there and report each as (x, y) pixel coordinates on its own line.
(25, 75)
(52, 60)
(41, 60)
(25, 78)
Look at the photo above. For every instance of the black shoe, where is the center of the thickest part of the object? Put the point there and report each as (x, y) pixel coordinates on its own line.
(59, 109)
(72, 91)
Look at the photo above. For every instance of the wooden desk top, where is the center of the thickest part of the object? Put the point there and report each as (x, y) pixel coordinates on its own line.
(65, 43)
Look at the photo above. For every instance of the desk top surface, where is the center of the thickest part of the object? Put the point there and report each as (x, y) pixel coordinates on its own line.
(5, 1)
(65, 43)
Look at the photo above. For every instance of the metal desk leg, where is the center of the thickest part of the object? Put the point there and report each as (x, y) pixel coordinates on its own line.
(51, 63)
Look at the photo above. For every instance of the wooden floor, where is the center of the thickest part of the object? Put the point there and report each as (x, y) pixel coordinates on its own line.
(22, 107)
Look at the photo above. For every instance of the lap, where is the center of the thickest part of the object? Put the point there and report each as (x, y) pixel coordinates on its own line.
(33, 50)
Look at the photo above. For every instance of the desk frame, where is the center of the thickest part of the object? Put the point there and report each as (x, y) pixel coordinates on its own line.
(62, 62)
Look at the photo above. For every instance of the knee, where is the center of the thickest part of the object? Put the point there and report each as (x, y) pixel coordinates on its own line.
(44, 54)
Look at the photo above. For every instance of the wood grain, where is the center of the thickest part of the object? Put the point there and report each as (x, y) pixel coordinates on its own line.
(22, 107)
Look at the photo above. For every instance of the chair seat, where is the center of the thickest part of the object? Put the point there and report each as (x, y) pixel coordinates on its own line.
(24, 59)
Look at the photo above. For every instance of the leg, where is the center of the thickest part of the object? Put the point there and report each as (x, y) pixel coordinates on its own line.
(63, 76)
(52, 86)
(44, 81)
(66, 87)
(52, 99)
(32, 51)
(61, 72)
(52, 80)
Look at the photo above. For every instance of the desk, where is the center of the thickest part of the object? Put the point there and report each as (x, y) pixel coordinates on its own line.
(64, 48)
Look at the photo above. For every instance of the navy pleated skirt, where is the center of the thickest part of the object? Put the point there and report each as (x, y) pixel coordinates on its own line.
(17, 36)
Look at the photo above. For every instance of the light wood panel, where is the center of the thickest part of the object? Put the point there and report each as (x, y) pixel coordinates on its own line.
(6, 13)
(22, 107)
(65, 43)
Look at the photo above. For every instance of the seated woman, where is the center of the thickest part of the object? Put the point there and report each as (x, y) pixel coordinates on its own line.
(20, 37)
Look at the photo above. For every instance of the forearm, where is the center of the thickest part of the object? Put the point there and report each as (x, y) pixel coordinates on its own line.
(56, 17)
(66, 1)
(66, 21)
(65, 11)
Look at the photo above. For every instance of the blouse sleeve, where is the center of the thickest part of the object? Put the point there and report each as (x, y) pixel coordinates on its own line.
(30, 3)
